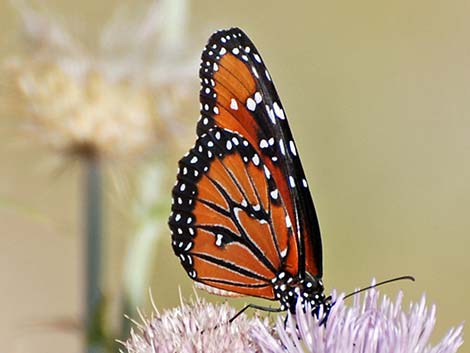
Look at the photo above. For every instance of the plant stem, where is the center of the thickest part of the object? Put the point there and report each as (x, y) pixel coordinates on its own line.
(93, 251)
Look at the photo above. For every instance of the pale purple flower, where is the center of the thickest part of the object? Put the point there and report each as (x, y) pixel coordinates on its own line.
(373, 325)
(196, 327)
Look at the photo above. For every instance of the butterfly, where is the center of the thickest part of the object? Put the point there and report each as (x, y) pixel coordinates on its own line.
(242, 218)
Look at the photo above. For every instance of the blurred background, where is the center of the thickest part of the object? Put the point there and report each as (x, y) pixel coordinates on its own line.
(377, 94)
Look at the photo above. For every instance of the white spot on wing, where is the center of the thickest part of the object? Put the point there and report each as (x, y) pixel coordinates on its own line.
(251, 104)
(281, 147)
(288, 222)
(267, 172)
(233, 104)
(291, 181)
(267, 75)
(218, 241)
(258, 97)
(292, 148)
(255, 160)
(271, 114)
(278, 111)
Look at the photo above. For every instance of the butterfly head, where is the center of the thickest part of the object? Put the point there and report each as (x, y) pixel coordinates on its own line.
(289, 289)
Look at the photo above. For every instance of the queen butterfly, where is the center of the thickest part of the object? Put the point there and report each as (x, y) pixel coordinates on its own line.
(243, 221)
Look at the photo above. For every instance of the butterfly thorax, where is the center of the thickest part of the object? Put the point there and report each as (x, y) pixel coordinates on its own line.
(289, 289)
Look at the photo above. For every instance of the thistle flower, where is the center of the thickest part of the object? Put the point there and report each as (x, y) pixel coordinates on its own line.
(197, 327)
(375, 325)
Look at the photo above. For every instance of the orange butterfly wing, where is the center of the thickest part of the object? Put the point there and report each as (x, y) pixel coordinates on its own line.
(241, 208)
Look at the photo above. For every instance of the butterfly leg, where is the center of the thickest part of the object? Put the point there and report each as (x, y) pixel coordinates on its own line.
(257, 307)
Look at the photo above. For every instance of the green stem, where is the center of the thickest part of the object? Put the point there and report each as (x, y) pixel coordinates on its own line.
(93, 251)
(125, 322)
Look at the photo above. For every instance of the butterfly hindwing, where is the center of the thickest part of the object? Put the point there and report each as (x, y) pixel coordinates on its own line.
(228, 228)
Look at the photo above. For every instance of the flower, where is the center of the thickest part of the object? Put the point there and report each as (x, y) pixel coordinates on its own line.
(118, 100)
(197, 327)
(375, 325)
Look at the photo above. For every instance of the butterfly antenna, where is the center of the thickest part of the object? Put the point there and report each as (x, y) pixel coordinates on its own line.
(401, 278)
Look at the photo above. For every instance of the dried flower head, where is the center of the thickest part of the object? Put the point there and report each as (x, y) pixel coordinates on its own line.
(87, 114)
(196, 327)
(373, 325)
(113, 101)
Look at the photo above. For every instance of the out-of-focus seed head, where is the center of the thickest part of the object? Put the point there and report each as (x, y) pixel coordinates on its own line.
(86, 115)
(120, 99)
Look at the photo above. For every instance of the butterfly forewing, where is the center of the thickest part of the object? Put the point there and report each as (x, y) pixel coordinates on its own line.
(237, 93)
